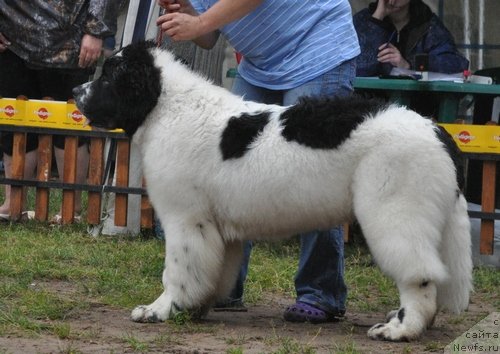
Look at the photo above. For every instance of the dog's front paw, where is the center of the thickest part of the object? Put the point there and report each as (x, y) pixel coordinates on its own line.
(147, 314)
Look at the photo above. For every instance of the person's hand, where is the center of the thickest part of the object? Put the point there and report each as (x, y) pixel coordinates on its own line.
(183, 6)
(384, 9)
(90, 51)
(181, 26)
(388, 53)
(4, 43)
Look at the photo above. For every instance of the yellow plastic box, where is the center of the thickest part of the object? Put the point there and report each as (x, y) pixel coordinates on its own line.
(12, 111)
(475, 138)
(47, 114)
(74, 118)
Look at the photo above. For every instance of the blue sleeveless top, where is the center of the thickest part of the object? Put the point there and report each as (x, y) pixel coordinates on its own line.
(286, 43)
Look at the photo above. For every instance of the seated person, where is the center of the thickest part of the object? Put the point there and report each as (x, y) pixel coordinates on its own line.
(392, 32)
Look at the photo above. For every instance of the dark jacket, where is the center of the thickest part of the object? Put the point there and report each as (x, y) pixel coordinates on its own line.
(48, 33)
(424, 34)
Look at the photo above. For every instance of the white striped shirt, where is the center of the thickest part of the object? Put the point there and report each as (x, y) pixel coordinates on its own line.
(286, 43)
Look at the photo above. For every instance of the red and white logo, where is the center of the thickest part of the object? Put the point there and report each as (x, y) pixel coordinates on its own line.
(465, 137)
(9, 111)
(43, 113)
(77, 116)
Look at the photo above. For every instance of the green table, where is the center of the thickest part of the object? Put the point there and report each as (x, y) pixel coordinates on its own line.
(450, 93)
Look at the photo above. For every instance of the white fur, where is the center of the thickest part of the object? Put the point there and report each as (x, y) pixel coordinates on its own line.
(392, 174)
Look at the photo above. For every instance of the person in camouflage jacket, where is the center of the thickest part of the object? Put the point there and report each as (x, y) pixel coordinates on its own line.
(47, 47)
(58, 34)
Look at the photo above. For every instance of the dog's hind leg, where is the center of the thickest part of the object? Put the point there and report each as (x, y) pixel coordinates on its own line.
(405, 245)
(453, 294)
(404, 237)
(404, 249)
(193, 264)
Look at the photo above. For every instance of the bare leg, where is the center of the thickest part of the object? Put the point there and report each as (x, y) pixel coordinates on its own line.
(29, 173)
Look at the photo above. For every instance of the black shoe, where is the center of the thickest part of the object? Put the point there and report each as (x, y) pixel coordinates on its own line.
(230, 306)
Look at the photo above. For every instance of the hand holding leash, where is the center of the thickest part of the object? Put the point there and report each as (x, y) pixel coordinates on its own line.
(181, 22)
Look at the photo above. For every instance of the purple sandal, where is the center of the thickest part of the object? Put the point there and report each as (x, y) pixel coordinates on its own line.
(302, 312)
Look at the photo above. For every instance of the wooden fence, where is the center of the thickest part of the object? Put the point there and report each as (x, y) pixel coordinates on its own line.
(97, 182)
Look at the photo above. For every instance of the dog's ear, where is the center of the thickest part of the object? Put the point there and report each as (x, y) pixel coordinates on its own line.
(138, 85)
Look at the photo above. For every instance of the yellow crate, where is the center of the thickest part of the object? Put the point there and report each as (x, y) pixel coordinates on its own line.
(74, 118)
(475, 138)
(12, 111)
(43, 113)
(47, 114)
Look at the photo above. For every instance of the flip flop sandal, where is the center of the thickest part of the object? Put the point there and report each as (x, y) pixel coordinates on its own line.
(302, 312)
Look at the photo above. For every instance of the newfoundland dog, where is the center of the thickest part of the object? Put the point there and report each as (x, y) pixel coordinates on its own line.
(221, 170)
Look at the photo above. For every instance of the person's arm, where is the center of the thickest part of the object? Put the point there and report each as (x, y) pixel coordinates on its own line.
(183, 23)
(381, 11)
(100, 23)
(371, 35)
(444, 56)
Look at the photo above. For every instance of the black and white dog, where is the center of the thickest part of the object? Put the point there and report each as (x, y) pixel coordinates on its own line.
(221, 170)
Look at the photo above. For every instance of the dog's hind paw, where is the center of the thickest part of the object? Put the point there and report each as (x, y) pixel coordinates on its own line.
(387, 331)
(146, 314)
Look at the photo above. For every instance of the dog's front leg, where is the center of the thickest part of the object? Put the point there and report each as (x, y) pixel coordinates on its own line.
(193, 266)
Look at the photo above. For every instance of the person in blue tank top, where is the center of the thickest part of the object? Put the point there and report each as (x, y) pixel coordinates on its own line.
(290, 49)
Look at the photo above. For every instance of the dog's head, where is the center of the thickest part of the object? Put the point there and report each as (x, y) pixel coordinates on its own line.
(125, 93)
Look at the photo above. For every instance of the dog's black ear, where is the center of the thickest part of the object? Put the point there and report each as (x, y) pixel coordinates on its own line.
(137, 48)
(139, 85)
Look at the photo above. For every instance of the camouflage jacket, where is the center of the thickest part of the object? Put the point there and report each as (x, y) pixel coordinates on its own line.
(48, 33)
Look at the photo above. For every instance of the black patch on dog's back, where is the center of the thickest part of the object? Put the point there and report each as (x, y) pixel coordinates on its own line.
(240, 132)
(455, 154)
(326, 123)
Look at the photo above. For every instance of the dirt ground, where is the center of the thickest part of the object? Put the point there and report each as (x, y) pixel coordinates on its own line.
(101, 329)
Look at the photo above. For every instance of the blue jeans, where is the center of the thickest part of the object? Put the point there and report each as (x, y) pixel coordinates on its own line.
(320, 277)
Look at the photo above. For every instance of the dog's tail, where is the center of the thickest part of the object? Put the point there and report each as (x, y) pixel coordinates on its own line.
(453, 294)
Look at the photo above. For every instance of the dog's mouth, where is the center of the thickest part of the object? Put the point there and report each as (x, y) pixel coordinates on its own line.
(98, 126)
(95, 124)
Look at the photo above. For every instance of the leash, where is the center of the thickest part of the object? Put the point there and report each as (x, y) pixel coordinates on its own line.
(159, 36)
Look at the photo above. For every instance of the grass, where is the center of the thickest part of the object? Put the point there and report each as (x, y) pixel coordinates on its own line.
(124, 271)
(51, 274)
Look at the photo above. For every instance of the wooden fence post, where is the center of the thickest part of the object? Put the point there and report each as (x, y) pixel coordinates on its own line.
(96, 170)
(146, 210)
(69, 176)
(122, 177)
(44, 167)
(486, 241)
(17, 195)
